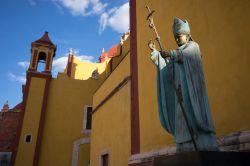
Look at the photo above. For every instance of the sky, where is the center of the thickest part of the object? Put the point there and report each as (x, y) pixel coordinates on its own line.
(86, 26)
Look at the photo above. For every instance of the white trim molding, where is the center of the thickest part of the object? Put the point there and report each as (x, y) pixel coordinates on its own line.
(25, 137)
(76, 145)
(102, 153)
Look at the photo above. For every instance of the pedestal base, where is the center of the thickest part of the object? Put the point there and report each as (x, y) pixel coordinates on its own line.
(204, 158)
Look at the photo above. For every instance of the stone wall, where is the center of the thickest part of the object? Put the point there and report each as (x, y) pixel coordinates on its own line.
(233, 142)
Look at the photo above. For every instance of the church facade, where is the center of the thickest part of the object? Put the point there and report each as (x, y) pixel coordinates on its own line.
(54, 128)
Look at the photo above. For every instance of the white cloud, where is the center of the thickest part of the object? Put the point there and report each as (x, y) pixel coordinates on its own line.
(82, 7)
(20, 79)
(86, 58)
(116, 18)
(23, 64)
(32, 2)
(75, 51)
(59, 64)
(103, 21)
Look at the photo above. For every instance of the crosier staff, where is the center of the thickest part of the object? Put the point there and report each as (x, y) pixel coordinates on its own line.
(178, 92)
(152, 26)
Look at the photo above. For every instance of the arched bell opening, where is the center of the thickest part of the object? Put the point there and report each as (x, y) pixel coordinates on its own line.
(41, 62)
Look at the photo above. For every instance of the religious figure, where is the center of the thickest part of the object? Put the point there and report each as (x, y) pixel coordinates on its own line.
(180, 83)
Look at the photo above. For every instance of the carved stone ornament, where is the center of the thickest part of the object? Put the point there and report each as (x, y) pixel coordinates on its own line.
(95, 74)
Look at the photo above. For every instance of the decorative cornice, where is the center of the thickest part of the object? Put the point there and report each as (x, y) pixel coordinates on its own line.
(38, 74)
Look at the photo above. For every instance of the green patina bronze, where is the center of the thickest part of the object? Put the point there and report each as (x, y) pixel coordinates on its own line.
(183, 68)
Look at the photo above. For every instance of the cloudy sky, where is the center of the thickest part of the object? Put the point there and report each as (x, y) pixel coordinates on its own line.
(86, 26)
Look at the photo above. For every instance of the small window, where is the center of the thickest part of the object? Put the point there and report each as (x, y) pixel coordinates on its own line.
(5, 158)
(28, 138)
(87, 119)
(105, 160)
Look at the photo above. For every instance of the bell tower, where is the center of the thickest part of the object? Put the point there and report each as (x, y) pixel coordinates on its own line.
(42, 51)
(35, 97)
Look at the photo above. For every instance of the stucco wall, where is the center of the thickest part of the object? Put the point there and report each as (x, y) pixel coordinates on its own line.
(111, 122)
(220, 28)
(122, 51)
(31, 120)
(83, 155)
(82, 70)
(64, 120)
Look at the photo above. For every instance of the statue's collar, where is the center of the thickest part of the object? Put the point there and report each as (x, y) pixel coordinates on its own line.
(182, 47)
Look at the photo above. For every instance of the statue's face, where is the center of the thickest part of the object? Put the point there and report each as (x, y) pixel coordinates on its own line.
(181, 39)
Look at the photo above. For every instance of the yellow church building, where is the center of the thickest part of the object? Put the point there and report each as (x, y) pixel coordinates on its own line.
(55, 123)
(106, 114)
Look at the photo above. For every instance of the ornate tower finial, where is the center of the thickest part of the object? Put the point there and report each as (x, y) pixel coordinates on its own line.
(42, 51)
(106, 58)
(5, 107)
(70, 51)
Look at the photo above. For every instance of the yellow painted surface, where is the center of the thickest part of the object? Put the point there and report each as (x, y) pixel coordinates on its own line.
(84, 155)
(115, 78)
(220, 28)
(31, 120)
(111, 122)
(82, 70)
(123, 50)
(31, 59)
(111, 129)
(64, 119)
(51, 60)
(34, 58)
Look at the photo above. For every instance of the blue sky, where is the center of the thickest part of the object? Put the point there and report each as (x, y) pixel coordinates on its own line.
(86, 26)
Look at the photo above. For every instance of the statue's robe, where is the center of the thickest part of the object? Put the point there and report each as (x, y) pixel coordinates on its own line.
(184, 69)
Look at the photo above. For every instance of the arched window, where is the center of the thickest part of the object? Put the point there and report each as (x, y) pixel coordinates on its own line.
(41, 62)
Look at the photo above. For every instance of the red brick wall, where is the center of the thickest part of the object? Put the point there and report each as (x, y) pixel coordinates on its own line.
(8, 129)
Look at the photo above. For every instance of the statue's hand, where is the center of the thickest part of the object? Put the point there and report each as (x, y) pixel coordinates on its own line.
(151, 45)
